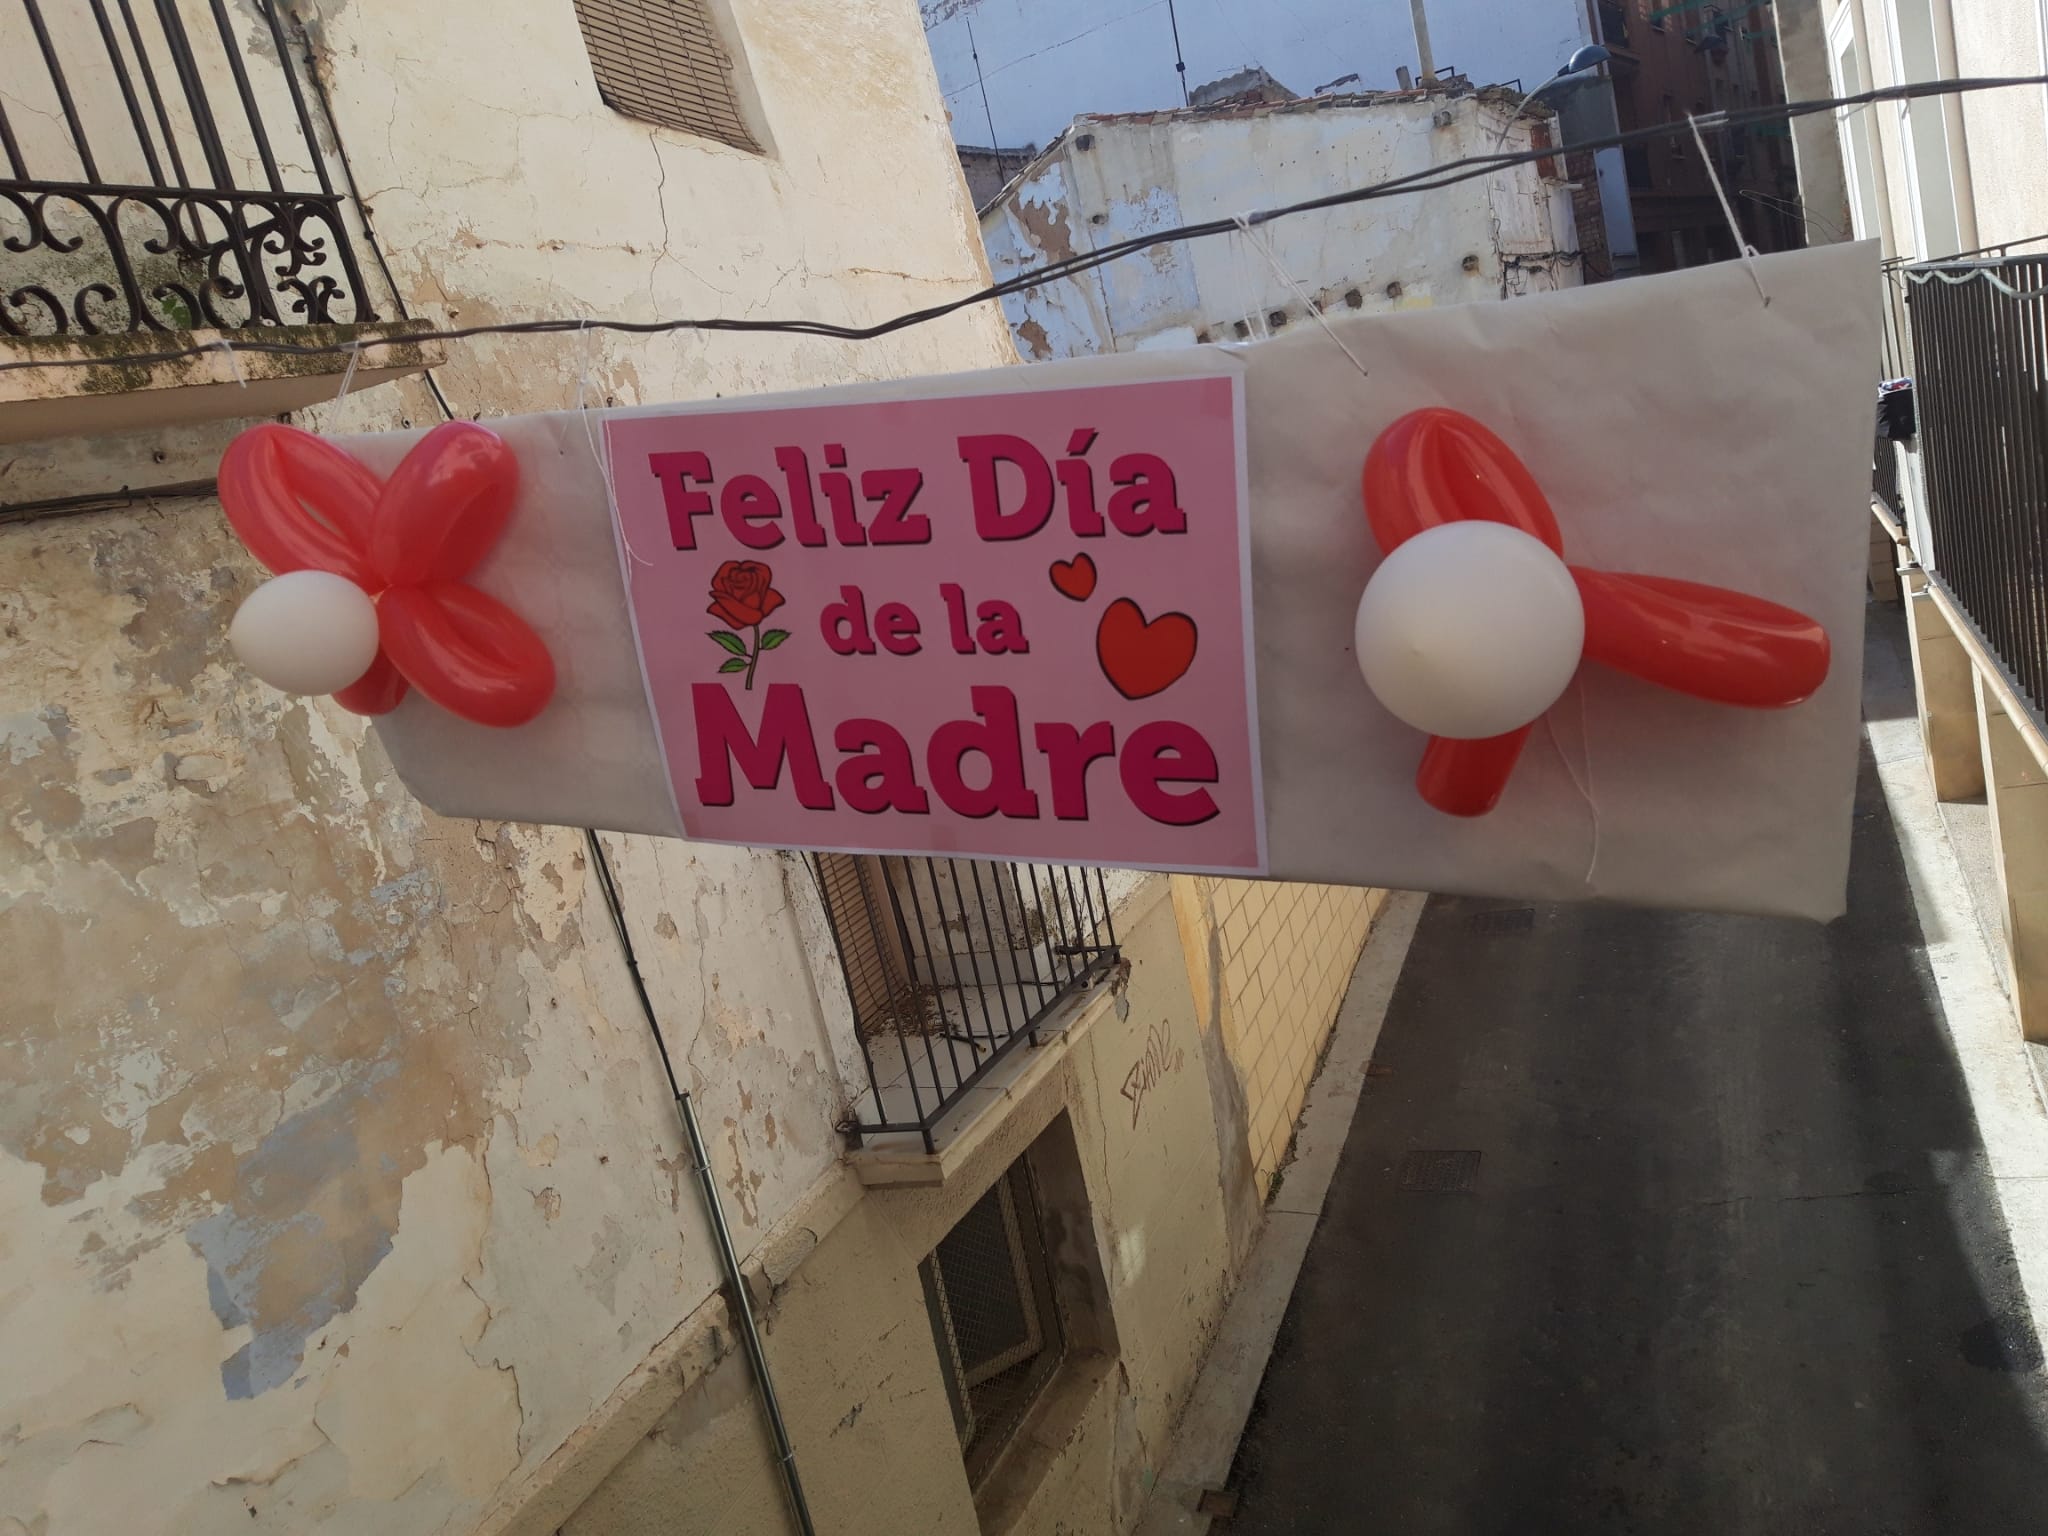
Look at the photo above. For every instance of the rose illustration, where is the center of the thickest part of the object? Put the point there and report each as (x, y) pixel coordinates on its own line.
(742, 595)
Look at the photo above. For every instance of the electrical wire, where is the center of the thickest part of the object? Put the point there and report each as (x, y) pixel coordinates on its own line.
(995, 144)
(1432, 179)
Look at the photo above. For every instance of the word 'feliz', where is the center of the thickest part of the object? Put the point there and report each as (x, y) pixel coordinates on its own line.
(1144, 498)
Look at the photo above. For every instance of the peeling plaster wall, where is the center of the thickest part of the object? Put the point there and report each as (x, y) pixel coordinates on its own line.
(1135, 177)
(856, 1363)
(338, 1181)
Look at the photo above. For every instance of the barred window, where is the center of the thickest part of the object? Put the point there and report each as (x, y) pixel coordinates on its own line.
(663, 61)
(994, 1317)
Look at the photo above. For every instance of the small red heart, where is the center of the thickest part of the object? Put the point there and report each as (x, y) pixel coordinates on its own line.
(1141, 657)
(1075, 578)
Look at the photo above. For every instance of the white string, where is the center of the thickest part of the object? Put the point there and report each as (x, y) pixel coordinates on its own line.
(1244, 223)
(1749, 252)
(1254, 320)
(604, 467)
(234, 362)
(348, 374)
(1584, 787)
(1983, 273)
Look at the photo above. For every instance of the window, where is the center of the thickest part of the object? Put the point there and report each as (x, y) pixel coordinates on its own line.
(1613, 23)
(1924, 127)
(994, 1317)
(662, 61)
(1854, 128)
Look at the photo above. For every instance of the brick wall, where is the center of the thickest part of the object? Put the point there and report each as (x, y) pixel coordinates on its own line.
(1591, 219)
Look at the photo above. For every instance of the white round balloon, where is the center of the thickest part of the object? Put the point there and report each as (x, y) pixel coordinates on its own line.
(1470, 629)
(306, 632)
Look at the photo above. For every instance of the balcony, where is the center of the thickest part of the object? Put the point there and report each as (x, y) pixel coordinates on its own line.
(1981, 389)
(1975, 566)
(952, 966)
(164, 187)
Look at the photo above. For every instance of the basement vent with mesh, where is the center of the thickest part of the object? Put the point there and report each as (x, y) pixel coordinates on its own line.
(994, 1317)
(663, 61)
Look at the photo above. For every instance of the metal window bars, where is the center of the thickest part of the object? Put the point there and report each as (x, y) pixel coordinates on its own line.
(950, 965)
(995, 1319)
(130, 202)
(1979, 332)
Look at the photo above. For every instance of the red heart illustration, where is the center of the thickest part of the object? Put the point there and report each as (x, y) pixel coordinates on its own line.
(1075, 578)
(1140, 657)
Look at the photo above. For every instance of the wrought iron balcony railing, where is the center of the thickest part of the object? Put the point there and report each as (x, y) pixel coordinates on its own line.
(131, 201)
(951, 965)
(1979, 332)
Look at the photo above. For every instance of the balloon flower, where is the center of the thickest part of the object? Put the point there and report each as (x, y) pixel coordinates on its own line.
(369, 597)
(1474, 625)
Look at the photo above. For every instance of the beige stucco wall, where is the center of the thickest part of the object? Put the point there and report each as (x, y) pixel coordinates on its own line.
(851, 1342)
(337, 1183)
(1277, 959)
(1998, 139)
(1816, 144)
(2007, 131)
(339, 1188)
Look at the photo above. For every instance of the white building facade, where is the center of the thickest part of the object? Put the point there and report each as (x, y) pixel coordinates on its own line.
(1113, 179)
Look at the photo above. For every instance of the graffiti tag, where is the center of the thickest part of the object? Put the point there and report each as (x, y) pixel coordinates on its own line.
(1161, 1057)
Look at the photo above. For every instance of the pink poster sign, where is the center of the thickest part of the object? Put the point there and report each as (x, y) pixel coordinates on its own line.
(1014, 624)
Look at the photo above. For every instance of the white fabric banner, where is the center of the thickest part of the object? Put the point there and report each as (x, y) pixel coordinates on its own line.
(1678, 425)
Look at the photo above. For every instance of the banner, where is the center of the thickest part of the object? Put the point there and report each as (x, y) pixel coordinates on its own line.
(1013, 623)
(1005, 614)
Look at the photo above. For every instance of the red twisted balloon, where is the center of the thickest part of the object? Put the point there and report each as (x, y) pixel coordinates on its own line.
(299, 503)
(1439, 466)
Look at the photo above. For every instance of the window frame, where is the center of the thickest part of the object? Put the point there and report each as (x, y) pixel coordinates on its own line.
(1924, 139)
(712, 101)
(1046, 1344)
(1852, 129)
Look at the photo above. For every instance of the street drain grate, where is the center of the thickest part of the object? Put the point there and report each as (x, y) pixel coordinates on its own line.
(1510, 920)
(1439, 1173)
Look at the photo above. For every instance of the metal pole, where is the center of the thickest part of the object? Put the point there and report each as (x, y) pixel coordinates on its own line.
(1424, 56)
(1522, 105)
(750, 1333)
(714, 1208)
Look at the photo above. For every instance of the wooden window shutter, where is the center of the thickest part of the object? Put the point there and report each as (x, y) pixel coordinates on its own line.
(662, 61)
(856, 898)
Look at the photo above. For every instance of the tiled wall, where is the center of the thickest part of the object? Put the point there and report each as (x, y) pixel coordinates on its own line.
(1287, 953)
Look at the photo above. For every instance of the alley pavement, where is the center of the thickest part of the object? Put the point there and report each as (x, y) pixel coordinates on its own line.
(1663, 1223)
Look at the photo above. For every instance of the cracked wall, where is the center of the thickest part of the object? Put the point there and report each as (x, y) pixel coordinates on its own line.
(852, 1340)
(338, 1181)
(1476, 240)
